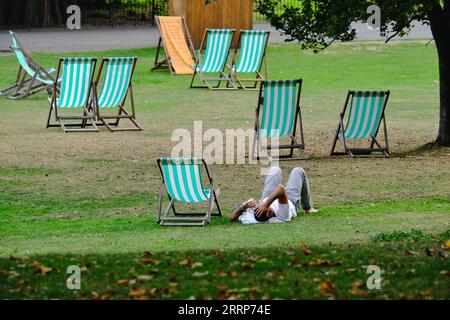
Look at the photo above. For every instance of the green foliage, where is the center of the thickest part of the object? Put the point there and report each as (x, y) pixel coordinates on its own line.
(315, 24)
(410, 271)
(413, 235)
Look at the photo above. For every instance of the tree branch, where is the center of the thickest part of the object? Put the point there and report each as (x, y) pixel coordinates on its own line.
(400, 30)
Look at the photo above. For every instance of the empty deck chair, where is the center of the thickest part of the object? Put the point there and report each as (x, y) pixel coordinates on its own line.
(277, 116)
(76, 93)
(214, 59)
(181, 177)
(251, 57)
(177, 44)
(365, 114)
(117, 86)
(31, 77)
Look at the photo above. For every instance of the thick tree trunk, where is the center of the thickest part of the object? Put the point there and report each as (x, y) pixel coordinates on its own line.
(440, 27)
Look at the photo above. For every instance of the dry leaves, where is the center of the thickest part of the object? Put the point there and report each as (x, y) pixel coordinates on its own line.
(40, 268)
(357, 288)
(185, 262)
(123, 282)
(445, 273)
(138, 293)
(327, 288)
(197, 265)
(305, 250)
(318, 262)
(350, 271)
(446, 245)
(411, 253)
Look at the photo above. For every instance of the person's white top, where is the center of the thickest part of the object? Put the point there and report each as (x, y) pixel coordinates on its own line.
(283, 213)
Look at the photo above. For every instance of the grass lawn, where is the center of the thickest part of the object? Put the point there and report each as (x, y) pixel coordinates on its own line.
(89, 199)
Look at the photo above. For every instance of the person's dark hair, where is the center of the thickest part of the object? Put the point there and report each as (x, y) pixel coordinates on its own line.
(262, 218)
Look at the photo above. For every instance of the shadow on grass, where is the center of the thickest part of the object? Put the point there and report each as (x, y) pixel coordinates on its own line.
(429, 149)
(412, 268)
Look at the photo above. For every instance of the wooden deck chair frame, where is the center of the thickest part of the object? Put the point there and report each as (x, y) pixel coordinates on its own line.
(87, 115)
(103, 120)
(361, 152)
(161, 44)
(188, 219)
(27, 83)
(295, 144)
(259, 76)
(222, 76)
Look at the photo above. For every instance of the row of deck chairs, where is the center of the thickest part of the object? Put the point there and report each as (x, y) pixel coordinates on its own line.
(78, 91)
(278, 114)
(213, 55)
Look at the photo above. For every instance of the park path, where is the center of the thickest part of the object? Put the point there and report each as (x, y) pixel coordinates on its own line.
(62, 40)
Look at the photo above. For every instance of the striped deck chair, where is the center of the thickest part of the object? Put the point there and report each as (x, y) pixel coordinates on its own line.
(277, 116)
(117, 86)
(177, 43)
(365, 114)
(251, 57)
(76, 88)
(214, 60)
(181, 177)
(31, 77)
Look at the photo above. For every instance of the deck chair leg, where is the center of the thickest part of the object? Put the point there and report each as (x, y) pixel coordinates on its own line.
(193, 77)
(160, 202)
(335, 140)
(49, 117)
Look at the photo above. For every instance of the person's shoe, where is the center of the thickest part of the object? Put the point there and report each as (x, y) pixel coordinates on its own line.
(311, 210)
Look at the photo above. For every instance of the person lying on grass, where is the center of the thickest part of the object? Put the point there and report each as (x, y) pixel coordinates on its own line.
(279, 203)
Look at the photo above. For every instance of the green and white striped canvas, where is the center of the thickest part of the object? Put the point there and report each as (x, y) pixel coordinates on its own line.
(117, 80)
(364, 115)
(76, 82)
(252, 50)
(217, 48)
(17, 50)
(183, 180)
(279, 108)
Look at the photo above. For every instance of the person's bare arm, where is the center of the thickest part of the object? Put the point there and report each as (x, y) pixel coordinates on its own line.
(250, 203)
(279, 194)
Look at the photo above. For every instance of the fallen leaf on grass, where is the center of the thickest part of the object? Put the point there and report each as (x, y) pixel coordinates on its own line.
(247, 265)
(411, 253)
(426, 293)
(106, 296)
(318, 262)
(40, 268)
(446, 245)
(144, 277)
(184, 262)
(305, 250)
(357, 288)
(294, 262)
(123, 282)
(326, 288)
(350, 271)
(197, 265)
(146, 255)
(138, 293)
(200, 274)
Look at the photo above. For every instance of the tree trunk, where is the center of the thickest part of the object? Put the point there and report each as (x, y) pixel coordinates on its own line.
(440, 27)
